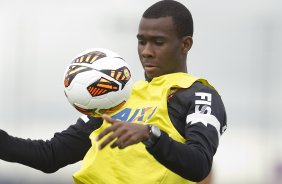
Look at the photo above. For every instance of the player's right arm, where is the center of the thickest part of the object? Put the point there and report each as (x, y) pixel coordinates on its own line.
(66, 147)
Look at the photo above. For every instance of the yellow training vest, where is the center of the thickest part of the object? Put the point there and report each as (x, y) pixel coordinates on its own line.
(134, 165)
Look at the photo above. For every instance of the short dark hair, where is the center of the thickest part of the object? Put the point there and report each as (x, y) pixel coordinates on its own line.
(180, 15)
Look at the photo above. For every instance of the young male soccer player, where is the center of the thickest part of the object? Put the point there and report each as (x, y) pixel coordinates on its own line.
(167, 132)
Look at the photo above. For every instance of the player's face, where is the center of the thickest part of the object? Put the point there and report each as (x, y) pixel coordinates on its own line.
(160, 50)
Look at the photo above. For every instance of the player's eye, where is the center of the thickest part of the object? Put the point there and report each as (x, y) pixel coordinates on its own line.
(159, 42)
(141, 42)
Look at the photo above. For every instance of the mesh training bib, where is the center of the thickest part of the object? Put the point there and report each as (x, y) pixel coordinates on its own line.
(134, 165)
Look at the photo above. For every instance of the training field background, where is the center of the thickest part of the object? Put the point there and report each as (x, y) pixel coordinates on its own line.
(237, 47)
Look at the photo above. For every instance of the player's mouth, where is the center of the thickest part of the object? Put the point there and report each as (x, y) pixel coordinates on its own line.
(150, 68)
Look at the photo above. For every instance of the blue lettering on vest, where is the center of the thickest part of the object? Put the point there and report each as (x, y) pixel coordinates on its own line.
(122, 115)
(142, 114)
(134, 115)
(152, 113)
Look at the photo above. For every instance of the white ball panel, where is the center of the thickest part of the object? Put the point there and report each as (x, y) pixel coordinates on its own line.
(78, 94)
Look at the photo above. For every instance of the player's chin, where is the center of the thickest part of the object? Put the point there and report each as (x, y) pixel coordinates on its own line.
(150, 77)
(150, 74)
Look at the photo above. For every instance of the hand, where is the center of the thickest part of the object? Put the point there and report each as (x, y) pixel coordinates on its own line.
(125, 133)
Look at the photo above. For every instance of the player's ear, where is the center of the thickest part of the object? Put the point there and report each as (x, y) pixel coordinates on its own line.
(187, 42)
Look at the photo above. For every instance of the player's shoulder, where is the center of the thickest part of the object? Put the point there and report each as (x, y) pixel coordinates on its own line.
(199, 94)
(196, 87)
(201, 99)
(185, 98)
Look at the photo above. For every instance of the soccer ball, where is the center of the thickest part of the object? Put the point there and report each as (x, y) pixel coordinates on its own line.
(97, 79)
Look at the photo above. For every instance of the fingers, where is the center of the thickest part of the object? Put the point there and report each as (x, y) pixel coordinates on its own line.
(104, 132)
(121, 142)
(110, 138)
(115, 135)
(107, 130)
(108, 118)
(115, 129)
(127, 141)
(121, 134)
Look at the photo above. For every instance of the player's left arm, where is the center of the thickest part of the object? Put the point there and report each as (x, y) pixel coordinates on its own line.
(205, 122)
